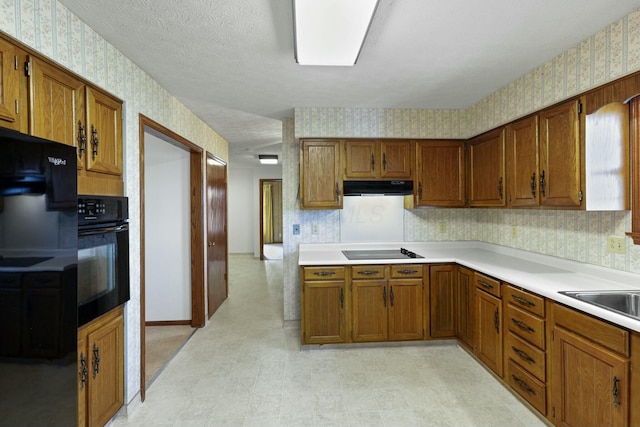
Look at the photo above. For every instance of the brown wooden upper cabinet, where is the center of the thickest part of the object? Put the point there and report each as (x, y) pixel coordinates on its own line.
(440, 174)
(66, 110)
(487, 170)
(320, 179)
(377, 159)
(9, 86)
(522, 163)
(559, 180)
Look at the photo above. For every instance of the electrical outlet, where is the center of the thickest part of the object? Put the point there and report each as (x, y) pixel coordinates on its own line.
(442, 227)
(296, 229)
(514, 231)
(314, 229)
(616, 245)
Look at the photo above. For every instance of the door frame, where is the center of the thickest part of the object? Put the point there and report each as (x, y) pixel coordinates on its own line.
(197, 233)
(262, 182)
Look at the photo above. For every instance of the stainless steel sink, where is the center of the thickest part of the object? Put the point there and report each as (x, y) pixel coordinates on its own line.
(623, 302)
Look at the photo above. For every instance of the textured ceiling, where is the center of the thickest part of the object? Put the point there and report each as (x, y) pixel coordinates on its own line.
(232, 61)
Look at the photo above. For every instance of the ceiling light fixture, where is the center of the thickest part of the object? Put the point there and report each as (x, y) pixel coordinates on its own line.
(268, 159)
(331, 32)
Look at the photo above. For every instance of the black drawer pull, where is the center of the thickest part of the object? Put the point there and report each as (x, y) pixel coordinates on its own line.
(523, 385)
(523, 301)
(522, 325)
(367, 272)
(324, 273)
(485, 284)
(407, 271)
(524, 356)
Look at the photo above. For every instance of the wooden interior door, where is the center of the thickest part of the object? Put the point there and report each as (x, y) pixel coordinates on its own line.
(217, 285)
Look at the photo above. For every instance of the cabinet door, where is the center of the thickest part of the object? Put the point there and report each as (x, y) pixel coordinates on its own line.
(104, 133)
(361, 158)
(83, 379)
(487, 169)
(323, 311)
(560, 156)
(489, 330)
(9, 86)
(369, 310)
(591, 386)
(441, 290)
(11, 315)
(106, 371)
(440, 174)
(395, 160)
(522, 161)
(320, 182)
(405, 310)
(464, 305)
(57, 106)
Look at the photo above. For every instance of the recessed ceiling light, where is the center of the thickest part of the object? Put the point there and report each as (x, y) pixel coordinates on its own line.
(331, 32)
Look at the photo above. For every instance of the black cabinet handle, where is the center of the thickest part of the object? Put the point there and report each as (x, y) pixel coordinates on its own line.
(82, 139)
(616, 395)
(367, 272)
(337, 193)
(94, 142)
(524, 356)
(523, 301)
(373, 163)
(384, 296)
(500, 187)
(543, 185)
(485, 284)
(324, 273)
(533, 184)
(96, 360)
(407, 271)
(341, 297)
(496, 320)
(522, 325)
(84, 371)
(384, 161)
(523, 385)
(391, 296)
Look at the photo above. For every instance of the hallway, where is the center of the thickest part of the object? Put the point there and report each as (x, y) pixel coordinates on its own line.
(244, 369)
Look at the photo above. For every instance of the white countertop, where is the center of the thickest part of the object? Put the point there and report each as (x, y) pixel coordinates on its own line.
(542, 274)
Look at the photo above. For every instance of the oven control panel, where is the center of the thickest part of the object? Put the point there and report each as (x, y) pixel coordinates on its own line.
(92, 209)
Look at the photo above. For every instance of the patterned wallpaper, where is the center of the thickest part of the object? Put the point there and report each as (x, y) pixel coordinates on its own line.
(48, 27)
(581, 236)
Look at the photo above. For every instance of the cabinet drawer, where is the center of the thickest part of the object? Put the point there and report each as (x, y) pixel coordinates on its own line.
(525, 325)
(487, 284)
(526, 355)
(323, 273)
(525, 300)
(606, 334)
(367, 272)
(42, 280)
(9, 280)
(401, 271)
(532, 390)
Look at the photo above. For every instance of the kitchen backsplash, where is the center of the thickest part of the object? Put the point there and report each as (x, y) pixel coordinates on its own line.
(605, 56)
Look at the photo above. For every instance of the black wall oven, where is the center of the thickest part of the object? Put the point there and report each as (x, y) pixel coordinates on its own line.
(103, 255)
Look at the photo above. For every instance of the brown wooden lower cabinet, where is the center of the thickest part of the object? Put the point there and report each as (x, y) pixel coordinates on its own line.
(464, 296)
(442, 279)
(101, 369)
(323, 301)
(488, 333)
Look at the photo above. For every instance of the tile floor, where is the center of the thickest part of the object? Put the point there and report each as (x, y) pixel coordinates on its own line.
(245, 369)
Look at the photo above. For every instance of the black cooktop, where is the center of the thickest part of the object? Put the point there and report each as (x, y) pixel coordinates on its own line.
(367, 254)
(22, 262)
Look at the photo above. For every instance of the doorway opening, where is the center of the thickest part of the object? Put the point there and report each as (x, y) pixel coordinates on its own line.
(184, 221)
(270, 219)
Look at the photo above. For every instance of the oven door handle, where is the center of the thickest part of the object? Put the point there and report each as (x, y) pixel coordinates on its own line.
(103, 230)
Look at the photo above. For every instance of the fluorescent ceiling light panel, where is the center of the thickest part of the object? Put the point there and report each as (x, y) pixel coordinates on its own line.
(268, 159)
(331, 32)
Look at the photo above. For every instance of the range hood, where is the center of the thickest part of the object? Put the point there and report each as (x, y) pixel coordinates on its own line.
(377, 188)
